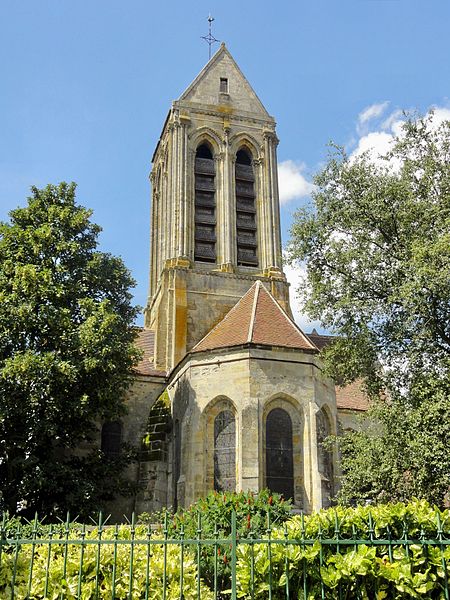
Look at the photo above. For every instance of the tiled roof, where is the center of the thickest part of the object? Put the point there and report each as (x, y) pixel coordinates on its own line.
(352, 397)
(319, 340)
(256, 319)
(145, 341)
(348, 397)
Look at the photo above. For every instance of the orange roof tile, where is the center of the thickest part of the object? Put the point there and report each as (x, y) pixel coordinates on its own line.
(352, 396)
(319, 340)
(256, 319)
(145, 341)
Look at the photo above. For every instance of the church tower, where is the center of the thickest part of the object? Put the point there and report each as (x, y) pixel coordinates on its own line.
(215, 225)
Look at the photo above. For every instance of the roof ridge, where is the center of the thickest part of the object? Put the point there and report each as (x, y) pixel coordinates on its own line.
(291, 321)
(255, 304)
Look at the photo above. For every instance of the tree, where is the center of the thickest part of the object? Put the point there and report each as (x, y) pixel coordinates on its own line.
(376, 245)
(66, 355)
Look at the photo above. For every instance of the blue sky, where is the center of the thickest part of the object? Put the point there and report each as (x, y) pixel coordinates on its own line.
(85, 88)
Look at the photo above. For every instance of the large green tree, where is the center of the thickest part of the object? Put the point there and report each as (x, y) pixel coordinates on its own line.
(66, 355)
(376, 245)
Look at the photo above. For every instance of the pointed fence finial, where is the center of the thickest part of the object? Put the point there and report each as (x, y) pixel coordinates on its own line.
(210, 39)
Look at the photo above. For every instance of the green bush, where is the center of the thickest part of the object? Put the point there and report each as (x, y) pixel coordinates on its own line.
(253, 514)
(353, 571)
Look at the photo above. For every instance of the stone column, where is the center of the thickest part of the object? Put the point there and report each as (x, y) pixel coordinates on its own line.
(184, 220)
(227, 203)
(268, 230)
(275, 207)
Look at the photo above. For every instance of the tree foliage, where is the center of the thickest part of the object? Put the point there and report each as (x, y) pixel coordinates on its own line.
(376, 245)
(66, 354)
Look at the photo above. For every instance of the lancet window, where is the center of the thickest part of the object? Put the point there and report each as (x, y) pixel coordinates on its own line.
(225, 452)
(111, 438)
(325, 458)
(205, 205)
(279, 453)
(245, 210)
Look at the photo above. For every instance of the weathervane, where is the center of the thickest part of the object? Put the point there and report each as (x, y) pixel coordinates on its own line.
(210, 39)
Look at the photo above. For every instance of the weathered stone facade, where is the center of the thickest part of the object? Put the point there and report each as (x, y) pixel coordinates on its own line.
(249, 405)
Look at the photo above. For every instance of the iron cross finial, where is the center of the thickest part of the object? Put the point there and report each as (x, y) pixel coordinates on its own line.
(210, 39)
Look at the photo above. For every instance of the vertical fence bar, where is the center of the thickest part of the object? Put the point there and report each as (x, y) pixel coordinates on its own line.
(443, 561)
(233, 555)
(114, 569)
(147, 562)
(2, 536)
(286, 560)
(66, 550)
(33, 545)
(216, 550)
(252, 566)
(302, 534)
(16, 558)
(322, 586)
(269, 552)
(133, 535)
(336, 535)
(97, 563)
(181, 561)
(166, 532)
(80, 568)
(371, 538)
(49, 551)
(199, 535)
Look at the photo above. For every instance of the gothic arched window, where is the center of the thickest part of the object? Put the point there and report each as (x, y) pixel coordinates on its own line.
(279, 453)
(205, 205)
(225, 452)
(111, 438)
(325, 458)
(245, 210)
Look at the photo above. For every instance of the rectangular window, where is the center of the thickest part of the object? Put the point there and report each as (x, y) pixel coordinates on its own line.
(224, 85)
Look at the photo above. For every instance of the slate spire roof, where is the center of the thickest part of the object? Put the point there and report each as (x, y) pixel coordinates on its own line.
(256, 319)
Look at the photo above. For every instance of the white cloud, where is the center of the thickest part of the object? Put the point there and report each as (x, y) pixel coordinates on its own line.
(393, 118)
(376, 143)
(292, 182)
(371, 112)
(296, 276)
(440, 114)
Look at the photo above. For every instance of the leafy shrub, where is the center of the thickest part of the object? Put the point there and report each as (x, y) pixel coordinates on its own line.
(253, 514)
(114, 558)
(363, 570)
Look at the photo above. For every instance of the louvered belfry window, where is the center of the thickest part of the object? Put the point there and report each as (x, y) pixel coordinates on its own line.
(245, 211)
(225, 452)
(205, 206)
(279, 453)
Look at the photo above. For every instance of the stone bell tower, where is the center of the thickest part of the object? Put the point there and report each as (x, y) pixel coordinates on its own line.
(215, 225)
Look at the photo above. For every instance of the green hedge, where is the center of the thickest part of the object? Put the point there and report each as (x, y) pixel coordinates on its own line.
(49, 572)
(361, 569)
(384, 552)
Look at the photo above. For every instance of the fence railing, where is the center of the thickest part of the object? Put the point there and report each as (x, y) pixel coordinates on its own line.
(73, 560)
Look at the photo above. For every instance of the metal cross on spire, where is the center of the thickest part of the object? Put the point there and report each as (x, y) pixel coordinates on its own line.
(210, 39)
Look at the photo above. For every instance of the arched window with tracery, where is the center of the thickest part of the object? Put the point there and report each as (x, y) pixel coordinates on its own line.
(205, 205)
(279, 453)
(111, 438)
(325, 458)
(225, 452)
(245, 210)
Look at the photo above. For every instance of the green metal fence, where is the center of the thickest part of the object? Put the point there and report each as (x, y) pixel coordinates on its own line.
(74, 560)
